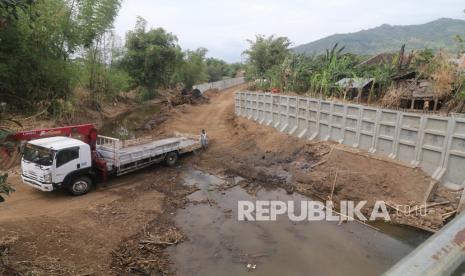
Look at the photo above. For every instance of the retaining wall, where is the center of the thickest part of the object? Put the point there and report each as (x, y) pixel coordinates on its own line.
(434, 143)
(220, 85)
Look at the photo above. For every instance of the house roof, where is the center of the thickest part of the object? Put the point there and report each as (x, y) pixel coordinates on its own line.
(379, 59)
(404, 75)
(354, 82)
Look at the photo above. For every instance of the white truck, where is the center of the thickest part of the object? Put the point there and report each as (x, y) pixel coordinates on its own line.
(57, 162)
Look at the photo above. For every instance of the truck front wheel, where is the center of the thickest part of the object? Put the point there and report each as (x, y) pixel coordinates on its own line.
(171, 158)
(80, 186)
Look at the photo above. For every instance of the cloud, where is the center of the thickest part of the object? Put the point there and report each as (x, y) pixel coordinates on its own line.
(223, 26)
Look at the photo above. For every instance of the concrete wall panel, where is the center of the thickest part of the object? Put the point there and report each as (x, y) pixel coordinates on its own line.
(337, 122)
(434, 143)
(408, 138)
(324, 122)
(454, 162)
(313, 116)
(261, 108)
(387, 133)
(283, 112)
(368, 128)
(220, 85)
(292, 115)
(352, 125)
(302, 115)
(268, 110)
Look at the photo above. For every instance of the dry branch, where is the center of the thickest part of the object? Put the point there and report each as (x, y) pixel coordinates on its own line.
(333, 187)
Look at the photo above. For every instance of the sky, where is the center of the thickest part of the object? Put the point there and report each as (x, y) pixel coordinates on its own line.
(224, 26)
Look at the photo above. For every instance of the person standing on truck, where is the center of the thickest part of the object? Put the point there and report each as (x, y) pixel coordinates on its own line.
(203, 139)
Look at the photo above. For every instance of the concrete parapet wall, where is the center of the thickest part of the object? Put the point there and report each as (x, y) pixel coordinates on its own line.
(220, 85)
(434, 143)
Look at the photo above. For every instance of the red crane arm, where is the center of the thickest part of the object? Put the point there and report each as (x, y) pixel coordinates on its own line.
(88, 134)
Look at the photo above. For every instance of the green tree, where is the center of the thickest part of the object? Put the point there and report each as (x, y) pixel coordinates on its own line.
(10, 9)
(331, 67)
(152, 56)
(217, 69)
(193, 69)
(266, 52)
(95, 20)
(35, 63)
(236, 68)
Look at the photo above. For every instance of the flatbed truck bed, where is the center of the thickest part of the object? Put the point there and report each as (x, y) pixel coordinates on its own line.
(126, 156)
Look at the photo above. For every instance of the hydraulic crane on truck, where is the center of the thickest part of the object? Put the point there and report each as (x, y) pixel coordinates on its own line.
(87, 133)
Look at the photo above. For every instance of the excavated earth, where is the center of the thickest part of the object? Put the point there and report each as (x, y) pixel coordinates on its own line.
(125, 227)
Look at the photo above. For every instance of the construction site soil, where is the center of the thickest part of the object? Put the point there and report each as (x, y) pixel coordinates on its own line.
(125, 227)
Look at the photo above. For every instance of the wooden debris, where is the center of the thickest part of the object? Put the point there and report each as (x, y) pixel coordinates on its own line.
(461, 203)
(318, 163)
(333, 187)
(448, 215)
(437, 203)
(323, 161)
(158, 242)
(427, 206)
(86, 274)
(357, 220)
(393, 206)
(417, 226)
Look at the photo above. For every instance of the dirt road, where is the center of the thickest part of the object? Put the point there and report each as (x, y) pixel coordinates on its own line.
(55, 234)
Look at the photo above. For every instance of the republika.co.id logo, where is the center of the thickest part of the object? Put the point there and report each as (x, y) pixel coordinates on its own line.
(309, 211)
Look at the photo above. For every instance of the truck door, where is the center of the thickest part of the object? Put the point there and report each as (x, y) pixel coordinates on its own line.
(66, 161)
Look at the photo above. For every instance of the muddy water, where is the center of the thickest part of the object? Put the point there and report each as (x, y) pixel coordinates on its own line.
(221, 245)
(128, 124)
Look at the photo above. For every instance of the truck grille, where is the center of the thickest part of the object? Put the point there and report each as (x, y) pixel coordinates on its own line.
(33, 175)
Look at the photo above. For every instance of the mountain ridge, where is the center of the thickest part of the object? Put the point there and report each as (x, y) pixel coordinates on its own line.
(436, 34)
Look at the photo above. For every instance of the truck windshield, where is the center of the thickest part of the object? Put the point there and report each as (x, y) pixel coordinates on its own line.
(38, 155)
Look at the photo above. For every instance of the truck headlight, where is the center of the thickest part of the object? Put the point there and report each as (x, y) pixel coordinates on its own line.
(48, 177)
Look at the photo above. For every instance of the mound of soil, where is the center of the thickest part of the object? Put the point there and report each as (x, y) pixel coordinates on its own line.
(193, 97)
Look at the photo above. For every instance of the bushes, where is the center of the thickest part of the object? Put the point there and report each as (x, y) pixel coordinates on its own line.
(193, 69)
(37, 44)
(5, 189)
(218, 69)
(63, 109)
(145, 94)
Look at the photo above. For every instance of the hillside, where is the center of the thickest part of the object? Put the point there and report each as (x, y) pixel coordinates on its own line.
(436, 34)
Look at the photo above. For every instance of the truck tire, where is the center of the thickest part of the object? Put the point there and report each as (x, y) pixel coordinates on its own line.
(171, 158)
(80, 186)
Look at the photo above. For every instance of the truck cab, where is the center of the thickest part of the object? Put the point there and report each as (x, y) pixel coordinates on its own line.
(50, 163)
